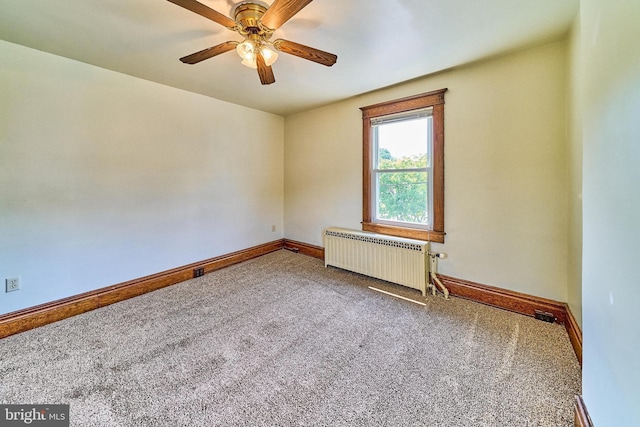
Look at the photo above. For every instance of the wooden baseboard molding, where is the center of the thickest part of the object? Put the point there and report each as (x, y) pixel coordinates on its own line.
(575, 334)
(304, 248)
(581, 418)
(490, 295)
(503, 298)
(518, 303)
(33, 317)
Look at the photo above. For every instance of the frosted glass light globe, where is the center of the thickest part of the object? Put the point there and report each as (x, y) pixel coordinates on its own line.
(247, 50)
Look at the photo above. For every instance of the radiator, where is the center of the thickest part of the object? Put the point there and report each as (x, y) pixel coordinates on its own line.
(394, 259)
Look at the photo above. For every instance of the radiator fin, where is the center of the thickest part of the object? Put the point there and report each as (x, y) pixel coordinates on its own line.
(394, 259)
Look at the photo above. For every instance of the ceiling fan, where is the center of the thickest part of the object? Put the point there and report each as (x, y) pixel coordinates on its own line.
(256, 22)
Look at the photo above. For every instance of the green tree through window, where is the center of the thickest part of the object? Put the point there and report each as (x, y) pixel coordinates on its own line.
(402, 196)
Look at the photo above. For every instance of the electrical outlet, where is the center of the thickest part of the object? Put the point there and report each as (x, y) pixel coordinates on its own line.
(13, 284)
(197, 272)
(273, 228)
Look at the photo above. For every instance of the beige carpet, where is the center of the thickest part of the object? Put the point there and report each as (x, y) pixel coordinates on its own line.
(282, 340)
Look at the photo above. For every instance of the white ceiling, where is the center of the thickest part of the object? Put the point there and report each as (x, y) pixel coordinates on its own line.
(378, 42)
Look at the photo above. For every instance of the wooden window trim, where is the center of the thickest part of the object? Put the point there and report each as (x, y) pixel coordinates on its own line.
(434, 99)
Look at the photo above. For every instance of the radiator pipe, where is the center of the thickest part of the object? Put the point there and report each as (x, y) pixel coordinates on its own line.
(433, 258)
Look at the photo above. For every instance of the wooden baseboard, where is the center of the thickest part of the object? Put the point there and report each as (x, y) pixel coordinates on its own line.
(490, 295)
(33, 317)
(503, 298)
(581, 416)
(518, 303)
(575, 334)
(304, 248)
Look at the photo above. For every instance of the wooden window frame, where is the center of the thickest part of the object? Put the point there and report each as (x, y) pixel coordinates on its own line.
(434, 100)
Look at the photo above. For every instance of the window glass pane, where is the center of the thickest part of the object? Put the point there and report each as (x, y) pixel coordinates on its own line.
(402, 196)
(403, 144)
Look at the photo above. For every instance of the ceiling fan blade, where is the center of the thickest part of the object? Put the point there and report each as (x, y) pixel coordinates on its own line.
(194, 58)
(305, 52)
(205, 11)
(264, 71)
(281, 11)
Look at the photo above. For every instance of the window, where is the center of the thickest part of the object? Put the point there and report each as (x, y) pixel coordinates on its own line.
(403, 167)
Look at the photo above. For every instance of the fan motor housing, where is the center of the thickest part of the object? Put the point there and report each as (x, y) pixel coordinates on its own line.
(248, 15)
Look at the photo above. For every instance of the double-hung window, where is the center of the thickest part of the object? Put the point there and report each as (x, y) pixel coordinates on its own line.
(403, 174)
(402, 170)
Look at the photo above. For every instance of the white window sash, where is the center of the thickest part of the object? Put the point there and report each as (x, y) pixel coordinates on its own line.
(404, 116)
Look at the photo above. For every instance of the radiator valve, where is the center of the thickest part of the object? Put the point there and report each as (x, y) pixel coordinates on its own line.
(436, 283)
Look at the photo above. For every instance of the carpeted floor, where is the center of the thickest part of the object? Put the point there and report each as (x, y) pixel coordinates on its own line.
(280, 341)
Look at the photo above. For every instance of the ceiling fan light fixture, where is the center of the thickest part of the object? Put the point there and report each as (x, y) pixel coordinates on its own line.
(256, 21)
(250, 63)
(269, 54)
(247, 50)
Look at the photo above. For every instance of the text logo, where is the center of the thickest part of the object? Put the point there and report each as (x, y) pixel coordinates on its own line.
(34, 415)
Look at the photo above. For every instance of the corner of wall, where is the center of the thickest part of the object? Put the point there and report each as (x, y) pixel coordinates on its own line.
(574, 171)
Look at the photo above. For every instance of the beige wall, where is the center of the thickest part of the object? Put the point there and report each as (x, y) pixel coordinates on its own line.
(505, 170)
(106, 178)
(574, 172)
